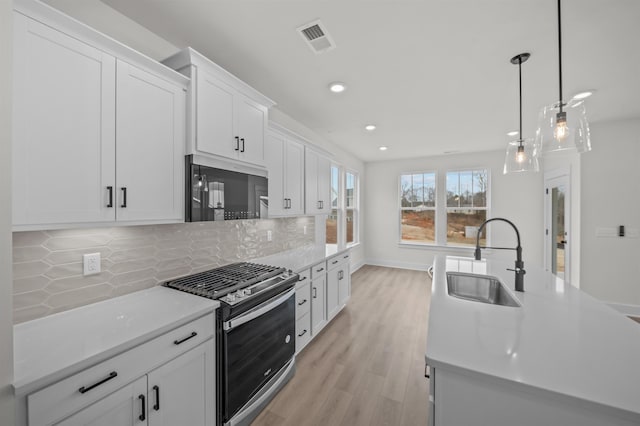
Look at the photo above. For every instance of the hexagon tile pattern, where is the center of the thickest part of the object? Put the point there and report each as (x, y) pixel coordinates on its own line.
(47, 265)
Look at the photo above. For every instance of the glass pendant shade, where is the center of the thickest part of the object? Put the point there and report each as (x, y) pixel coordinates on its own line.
(522, 156)
(555, 135)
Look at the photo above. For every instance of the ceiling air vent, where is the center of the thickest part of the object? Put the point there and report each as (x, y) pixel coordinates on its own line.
(317, 37)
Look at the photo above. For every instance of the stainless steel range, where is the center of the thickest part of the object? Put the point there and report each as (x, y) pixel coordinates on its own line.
(255, 338)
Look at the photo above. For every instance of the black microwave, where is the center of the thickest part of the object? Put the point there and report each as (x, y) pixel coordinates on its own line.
(218, 194)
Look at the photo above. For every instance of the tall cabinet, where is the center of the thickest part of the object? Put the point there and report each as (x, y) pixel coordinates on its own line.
(98, 129)
(317, 183)
(284, 159)
(226, 117)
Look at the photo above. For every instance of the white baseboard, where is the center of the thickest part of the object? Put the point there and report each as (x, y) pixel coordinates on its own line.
(396, 264)
(357, 265)
(633, 310)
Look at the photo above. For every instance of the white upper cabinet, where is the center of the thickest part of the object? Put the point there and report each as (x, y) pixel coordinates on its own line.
(226, 117)
(92, 120)
(284, 158)
(150, 146)
(317, 183)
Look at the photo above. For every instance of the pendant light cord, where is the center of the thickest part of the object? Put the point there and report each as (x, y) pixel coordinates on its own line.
(560, 55)
(520, 95)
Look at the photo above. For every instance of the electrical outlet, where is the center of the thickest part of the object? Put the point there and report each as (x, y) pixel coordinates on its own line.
(269, 235)
(91, 263)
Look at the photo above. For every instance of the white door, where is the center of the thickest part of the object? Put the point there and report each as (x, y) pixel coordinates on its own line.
(311, 205)
(150, 137)
(251, 125)
(63, 127)
(273, 158)
(294, 177)
(344, 284)
(318, 304)
(215, 117)
(324, 184)
(333, 278)
(181, 392)
(125, 407)
(557, 224)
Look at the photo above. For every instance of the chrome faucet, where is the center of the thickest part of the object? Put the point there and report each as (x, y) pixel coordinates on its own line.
(519, 269)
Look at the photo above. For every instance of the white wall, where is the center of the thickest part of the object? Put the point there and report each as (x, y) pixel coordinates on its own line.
(610, 268)
(517, 197)
(6, 287)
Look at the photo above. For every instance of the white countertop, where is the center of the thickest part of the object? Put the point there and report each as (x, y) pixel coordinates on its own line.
(561, 340)
(51, 348)
(301, 258)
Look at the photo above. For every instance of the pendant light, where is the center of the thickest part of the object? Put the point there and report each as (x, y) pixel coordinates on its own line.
(522, 154)
(563, 125)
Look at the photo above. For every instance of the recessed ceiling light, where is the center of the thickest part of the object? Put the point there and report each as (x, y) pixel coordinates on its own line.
(383, 148)
(337, 87)
(515, 132)
(583, 95)
(370, 127)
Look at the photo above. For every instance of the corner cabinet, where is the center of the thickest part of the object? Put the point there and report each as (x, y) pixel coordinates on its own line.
(226, 117)
(317, 183)
(97, 136)
(284, 158)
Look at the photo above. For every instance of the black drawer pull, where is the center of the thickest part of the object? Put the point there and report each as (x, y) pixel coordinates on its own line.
(303, 333)
(156, 406)
(320, 270)
(110, 189)
(87, 389)
(346, 257)
(237, 143)
(124, 197)
(143, 416)
(302, 279)
(177, 342)
(302, 303)
(334, 262)
(242, 139)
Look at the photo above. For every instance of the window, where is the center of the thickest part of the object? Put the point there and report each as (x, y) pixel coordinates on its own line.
(418, 208)
(332, 220)
(466, 206)
(342, 223)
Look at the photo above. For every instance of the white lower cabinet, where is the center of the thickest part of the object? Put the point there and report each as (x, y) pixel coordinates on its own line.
(318, 298)
(167, 381)
(303, 310)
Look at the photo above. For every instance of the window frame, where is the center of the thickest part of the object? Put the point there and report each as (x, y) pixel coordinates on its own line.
(341, 207)
(447, 209)
(434, 209)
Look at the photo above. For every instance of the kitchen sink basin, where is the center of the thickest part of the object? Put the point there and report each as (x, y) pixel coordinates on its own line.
(479, 288)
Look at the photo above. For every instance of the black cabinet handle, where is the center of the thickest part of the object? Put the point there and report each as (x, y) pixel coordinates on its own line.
(346, 256)
(177, 342)
(143, 415)
(315, 293)
(334, 262)
(87, 389)
(156, 406)
(242, 150)
(237, 143)
(110, 189)
(302, 303)
(124, 197)
(320, 270)
(425, 372)
(303, 333)
(302, 279)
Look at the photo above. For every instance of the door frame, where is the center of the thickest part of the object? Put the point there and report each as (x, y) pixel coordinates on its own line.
(552, 178)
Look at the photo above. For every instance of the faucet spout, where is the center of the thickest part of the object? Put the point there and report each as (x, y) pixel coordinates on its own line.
(519, 265)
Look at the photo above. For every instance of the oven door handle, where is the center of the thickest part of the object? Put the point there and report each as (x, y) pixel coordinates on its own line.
(258, 310)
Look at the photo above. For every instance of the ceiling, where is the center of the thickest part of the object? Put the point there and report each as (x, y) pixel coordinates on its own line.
(433, 75)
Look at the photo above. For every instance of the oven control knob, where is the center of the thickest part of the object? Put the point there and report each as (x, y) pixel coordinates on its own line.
(240, 294)
(247, 292)
(231, 297)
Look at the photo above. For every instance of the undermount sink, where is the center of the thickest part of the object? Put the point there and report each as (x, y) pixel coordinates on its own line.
(479, 288)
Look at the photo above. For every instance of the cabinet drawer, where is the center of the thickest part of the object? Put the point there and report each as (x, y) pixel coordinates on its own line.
(303, 300)
(318, 269)
(303, 331)
(68, 396)
(304, 277)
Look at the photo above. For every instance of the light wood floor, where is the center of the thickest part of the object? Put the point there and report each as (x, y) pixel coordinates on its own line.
(367, 366)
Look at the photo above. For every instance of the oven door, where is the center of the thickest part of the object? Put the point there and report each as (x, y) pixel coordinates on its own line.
(258, 344)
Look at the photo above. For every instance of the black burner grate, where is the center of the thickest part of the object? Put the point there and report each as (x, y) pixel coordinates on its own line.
(218, 282)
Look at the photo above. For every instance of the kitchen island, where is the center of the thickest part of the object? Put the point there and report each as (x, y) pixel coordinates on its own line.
(560, 358)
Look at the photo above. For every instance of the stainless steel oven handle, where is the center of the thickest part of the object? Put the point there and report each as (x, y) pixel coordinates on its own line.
(258, 310)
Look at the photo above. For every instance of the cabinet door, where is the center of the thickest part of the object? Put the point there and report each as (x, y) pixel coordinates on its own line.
(311, 204)
(294, 177)
(125, 407)
(318, 304)
(344, 284)
(181, 392)
(63, 127)
(150, 138)
(251, 124)
(333, 277)
(273, 158)
(324, 184)
(215, 117)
